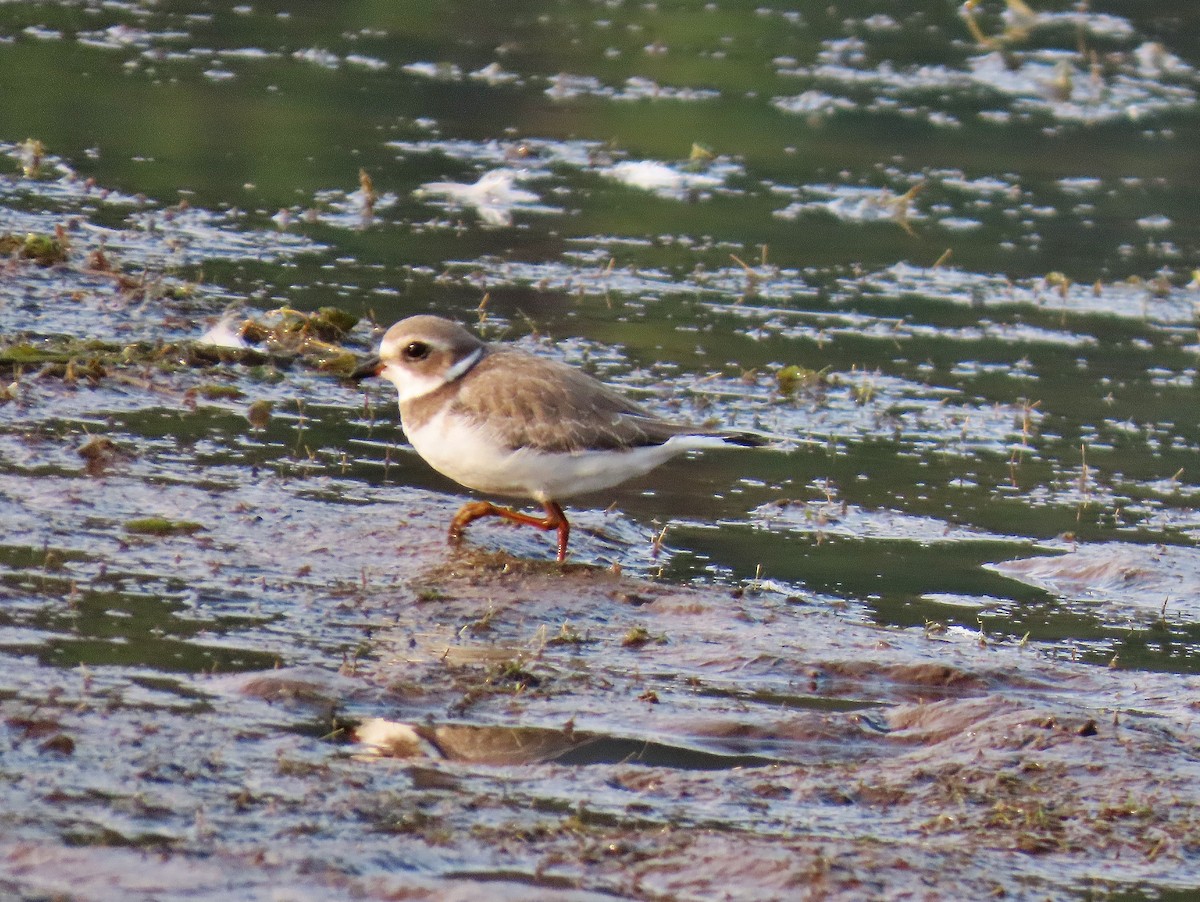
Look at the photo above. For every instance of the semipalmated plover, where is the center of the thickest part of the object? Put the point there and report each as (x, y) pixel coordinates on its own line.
(506, 422)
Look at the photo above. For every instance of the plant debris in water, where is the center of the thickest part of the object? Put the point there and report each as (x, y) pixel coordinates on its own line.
(160, 526)
(44, 250)
(281, 337)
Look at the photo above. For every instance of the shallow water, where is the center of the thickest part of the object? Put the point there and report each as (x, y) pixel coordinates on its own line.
(956, 280)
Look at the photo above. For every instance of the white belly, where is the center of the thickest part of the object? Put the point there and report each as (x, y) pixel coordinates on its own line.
(472, 457)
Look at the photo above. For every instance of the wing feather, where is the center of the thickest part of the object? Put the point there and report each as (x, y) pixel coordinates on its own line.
(549, 406)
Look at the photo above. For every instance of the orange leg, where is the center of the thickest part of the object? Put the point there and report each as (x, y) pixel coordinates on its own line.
(554, 519)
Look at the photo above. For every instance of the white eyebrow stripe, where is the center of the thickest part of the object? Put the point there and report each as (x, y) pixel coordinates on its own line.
(463, 365)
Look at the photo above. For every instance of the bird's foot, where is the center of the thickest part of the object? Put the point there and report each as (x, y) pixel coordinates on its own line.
(554, 519)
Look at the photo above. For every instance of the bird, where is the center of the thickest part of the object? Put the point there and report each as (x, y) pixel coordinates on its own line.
(506, 422)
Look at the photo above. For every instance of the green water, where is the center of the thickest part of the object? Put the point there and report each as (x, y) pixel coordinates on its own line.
(1070, 150)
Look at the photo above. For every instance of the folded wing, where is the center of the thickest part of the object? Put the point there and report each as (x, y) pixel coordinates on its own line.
(555, 408)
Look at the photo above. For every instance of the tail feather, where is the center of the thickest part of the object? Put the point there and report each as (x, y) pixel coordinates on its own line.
(701, 440)
(744, 439)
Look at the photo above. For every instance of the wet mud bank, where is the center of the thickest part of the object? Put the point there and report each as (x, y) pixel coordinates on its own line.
(572, 733)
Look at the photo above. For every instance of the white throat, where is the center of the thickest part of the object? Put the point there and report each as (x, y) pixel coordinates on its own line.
(411, 385)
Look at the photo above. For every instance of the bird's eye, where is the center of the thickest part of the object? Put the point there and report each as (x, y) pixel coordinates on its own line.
(416, 350)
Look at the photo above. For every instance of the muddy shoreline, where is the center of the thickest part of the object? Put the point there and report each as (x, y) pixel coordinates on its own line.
(571, 733)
